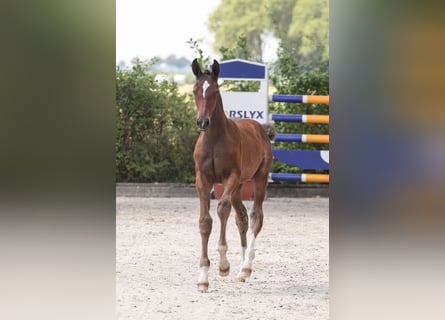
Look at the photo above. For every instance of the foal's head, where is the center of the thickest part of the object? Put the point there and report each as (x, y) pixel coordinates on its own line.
(205, 91)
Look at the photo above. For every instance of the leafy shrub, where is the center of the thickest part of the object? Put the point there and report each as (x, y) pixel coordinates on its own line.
(155, 129)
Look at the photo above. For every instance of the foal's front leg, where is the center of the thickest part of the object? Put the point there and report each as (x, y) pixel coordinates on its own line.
(203, 187)
(223, 210)
(224, 207)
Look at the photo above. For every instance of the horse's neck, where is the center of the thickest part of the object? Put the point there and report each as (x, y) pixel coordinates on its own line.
(219, 122)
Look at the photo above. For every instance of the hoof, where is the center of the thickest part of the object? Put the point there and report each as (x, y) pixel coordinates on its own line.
(243, 274)
(203, 287)
(224, 272)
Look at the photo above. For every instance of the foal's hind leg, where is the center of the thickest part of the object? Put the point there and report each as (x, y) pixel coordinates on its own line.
(223, 210)
(255, 225)
(241, 218)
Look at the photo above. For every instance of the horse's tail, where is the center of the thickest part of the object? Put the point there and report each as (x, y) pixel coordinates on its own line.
(270, 130)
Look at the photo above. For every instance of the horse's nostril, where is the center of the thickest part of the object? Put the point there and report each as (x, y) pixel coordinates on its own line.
(203, 124)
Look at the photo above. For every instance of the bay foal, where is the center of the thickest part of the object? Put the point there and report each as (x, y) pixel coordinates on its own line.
(228, 151)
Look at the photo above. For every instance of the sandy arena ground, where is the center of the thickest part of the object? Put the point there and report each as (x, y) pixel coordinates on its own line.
(157, 262)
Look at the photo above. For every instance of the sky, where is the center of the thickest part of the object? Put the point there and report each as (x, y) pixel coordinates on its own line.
(148, 28)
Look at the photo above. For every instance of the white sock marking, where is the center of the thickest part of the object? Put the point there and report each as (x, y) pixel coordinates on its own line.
(249, 254)
(204, 275)
(243, 252)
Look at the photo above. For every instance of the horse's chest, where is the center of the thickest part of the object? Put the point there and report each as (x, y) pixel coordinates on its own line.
(216, 163)
(222, 162)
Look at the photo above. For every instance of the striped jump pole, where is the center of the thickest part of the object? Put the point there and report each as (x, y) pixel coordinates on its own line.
(299, 98)
(301, 118)
(300, 177)
(304, 138)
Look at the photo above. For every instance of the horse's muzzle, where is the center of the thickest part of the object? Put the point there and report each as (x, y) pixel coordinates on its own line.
(203, 124)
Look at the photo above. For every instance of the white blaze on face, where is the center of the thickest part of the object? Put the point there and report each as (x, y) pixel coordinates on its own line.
(205, 85)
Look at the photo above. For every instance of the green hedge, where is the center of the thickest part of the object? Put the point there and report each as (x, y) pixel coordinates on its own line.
(156, 130)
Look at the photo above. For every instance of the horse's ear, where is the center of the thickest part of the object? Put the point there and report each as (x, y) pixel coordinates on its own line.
(196, 68)
(215, 68)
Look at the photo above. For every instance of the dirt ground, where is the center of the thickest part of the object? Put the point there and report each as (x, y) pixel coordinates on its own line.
(157, 262)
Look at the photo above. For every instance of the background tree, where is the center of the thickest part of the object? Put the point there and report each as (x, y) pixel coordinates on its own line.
(233, 18)
(280, 17)
(310, 28)
(300, 26)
